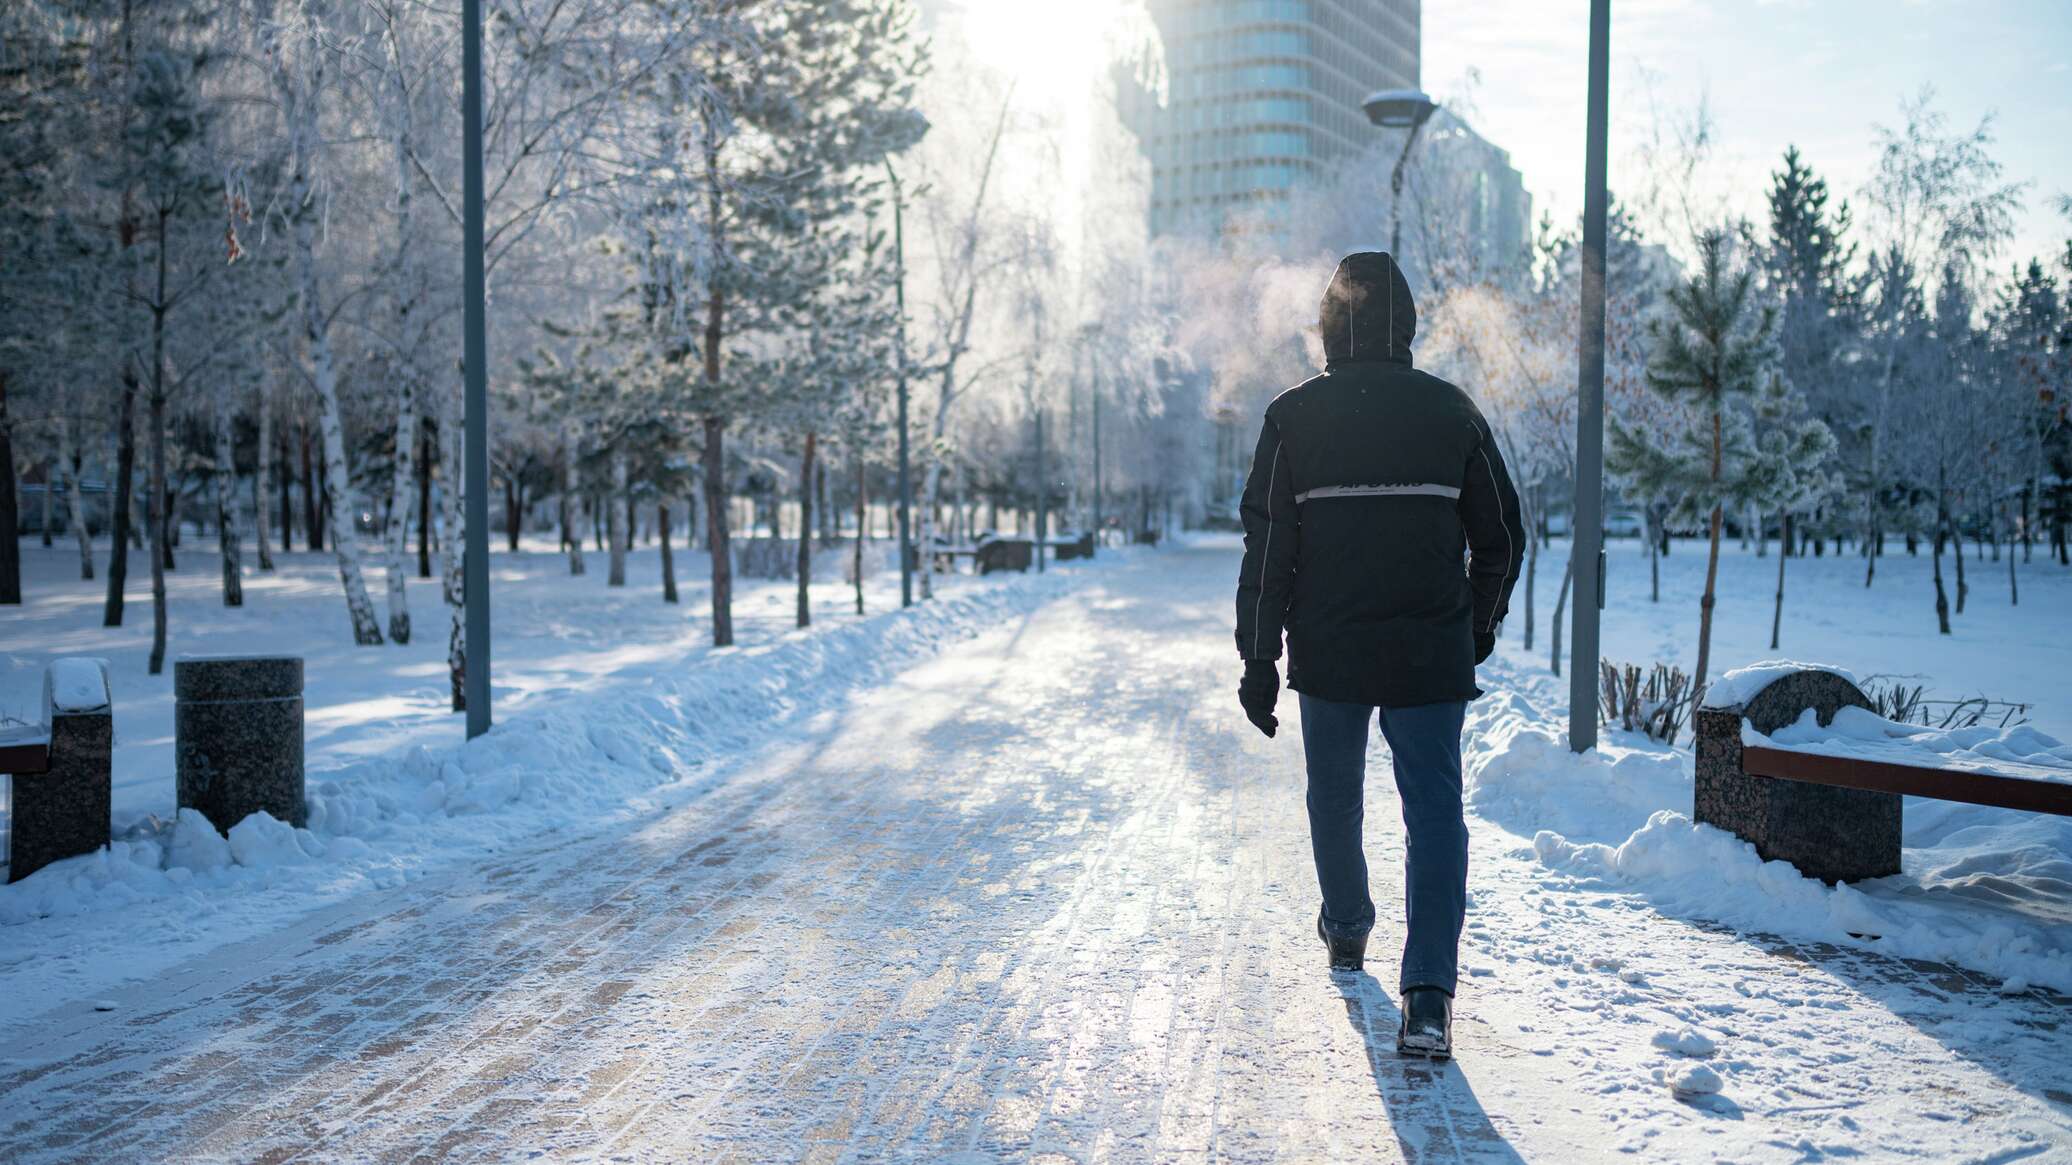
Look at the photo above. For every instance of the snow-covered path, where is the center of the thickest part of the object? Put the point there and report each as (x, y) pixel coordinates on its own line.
(1046, 897)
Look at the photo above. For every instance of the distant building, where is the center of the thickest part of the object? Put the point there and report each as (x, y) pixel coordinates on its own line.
(1495, 208)
(1262, 94)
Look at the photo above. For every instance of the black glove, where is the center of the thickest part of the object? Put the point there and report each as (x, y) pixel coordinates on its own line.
(1485, 642)
(1257, 691)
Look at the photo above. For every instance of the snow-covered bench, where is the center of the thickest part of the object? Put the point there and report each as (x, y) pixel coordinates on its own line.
(993, 554)
(58, 770)
(1795, 760)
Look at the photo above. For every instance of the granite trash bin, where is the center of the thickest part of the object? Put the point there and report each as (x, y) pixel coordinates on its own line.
(237, 727)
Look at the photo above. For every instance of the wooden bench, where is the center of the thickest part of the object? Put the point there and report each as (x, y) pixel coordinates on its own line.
(1836, 818)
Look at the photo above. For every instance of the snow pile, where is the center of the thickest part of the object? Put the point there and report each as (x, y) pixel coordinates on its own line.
(1690, 1081)
(1860, 732)
(1741, 685)
(1989, 889)
(76, 685)
(1686, 1041)
(622, 752)
(1521, 774)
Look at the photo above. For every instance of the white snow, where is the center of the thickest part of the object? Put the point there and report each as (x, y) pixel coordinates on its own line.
(2016, 749)
(1694, 1080)
(1045, 875)
(76, 685)
(612, 728)
(1740, 685)
(1980, 887)
(1989, 889)
(1686, 1041)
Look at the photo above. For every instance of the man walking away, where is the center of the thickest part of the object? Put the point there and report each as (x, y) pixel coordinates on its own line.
(1371, 482)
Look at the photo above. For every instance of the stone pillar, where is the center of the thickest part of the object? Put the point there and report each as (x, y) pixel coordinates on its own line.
(1830, 833)
(63, 811)
(237, 728)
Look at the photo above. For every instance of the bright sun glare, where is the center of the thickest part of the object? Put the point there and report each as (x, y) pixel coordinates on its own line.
(1053, 50)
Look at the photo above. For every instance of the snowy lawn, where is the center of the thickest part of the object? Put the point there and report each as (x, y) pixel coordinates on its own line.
(611, 704)
(2021, 653)
(556, 637)
(1989, 889)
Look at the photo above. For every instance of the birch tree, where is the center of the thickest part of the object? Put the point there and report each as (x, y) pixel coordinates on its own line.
(297, 45)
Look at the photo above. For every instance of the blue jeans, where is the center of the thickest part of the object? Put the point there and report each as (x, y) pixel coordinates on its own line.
(1425, 742)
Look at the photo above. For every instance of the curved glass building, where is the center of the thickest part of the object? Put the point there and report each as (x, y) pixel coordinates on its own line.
(1262, 93)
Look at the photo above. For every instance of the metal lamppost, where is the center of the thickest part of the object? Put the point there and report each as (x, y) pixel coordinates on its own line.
(906, 492)
(1042, 495)
(1588, 550)
(1404, 109)
(474, 367)
(1090, 335)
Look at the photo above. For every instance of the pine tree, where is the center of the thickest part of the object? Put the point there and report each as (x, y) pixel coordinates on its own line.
(759, 136)
(1717, 358)
(1808, 263)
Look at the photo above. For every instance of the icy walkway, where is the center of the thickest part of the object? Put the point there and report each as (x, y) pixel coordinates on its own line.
(1046, 898)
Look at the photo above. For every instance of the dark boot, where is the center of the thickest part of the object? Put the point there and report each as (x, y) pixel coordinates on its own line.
(1347, 954)
(1427, 1024)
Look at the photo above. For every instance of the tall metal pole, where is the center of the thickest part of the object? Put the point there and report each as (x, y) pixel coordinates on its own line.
(906, 490)
(1042, 496)
(1094, 368)
(1396, 184)
(475, 368)
(1588, 548)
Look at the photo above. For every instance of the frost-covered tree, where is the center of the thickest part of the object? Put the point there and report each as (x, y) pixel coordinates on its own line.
(1809, 266)
(176, 190)
(762, 131)
(1716, 356)
(298, 39)
(1939, 204)
(2032, 334)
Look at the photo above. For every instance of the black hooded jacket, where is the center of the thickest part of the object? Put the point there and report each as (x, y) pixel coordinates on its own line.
(1371, 483)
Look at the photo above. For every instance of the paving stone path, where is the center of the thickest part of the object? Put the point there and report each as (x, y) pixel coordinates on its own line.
(1046, 898)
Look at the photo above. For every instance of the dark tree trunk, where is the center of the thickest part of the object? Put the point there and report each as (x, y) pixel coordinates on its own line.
(120, 511)
(285, 466)
(1963, 588)
(1783, 553)
(668, 558)
(161, 518)
(716, 531)
(513, 516)
(312, 491)
(808, 480)
(85, 536)
(1942, 600)
(427, 449)
(862, 517)
(10, 522)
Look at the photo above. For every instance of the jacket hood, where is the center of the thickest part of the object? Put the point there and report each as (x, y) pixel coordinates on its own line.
(1367, 312)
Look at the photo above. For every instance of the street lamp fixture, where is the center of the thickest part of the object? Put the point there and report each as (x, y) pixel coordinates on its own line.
(1404, 109)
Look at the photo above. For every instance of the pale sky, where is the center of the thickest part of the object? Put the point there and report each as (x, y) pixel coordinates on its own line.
(1819, 73)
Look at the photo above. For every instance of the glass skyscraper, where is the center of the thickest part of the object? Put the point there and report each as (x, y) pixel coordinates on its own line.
(1261, 94)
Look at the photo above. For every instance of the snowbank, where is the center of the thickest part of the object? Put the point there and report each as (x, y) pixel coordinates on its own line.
(167, 890)
(1859, 732)
(1988, 889)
